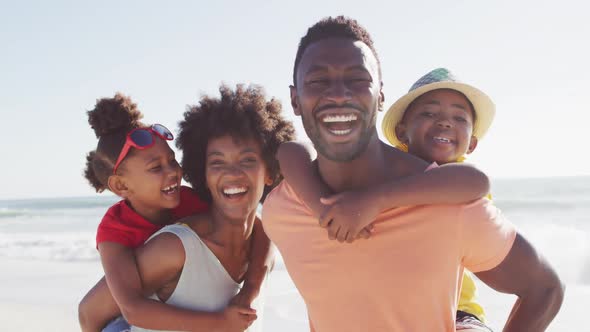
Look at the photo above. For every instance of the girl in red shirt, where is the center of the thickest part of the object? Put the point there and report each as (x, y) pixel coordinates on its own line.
(134, 161)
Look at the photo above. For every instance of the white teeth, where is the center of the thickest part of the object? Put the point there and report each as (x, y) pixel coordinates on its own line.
(169, 188)
(442, 139)
(234, 190)
(340, 118)
(341, 132)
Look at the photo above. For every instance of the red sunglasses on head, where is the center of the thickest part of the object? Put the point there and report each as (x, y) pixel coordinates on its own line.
(141, 139)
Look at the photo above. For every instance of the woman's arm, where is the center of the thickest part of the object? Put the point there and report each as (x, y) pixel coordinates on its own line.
(262, 259)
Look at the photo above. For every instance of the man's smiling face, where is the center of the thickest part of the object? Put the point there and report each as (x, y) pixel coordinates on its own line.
(337, 94)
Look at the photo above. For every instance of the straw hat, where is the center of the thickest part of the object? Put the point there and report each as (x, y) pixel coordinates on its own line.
(440, 78)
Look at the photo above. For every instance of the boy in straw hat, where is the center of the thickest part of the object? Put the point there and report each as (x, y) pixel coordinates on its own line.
(423, 108)
(436, 121)
(441, 120)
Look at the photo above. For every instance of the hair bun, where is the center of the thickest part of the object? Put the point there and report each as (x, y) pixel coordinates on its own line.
(111, 115)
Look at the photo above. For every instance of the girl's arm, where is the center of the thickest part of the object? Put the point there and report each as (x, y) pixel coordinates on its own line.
(97, 308)
(448, 184)
(159, 262)
(261, 262)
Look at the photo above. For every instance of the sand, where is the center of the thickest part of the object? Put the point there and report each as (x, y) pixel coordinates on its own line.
(43, 296)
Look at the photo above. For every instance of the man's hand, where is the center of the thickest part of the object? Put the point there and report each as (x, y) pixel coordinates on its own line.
(348, 215)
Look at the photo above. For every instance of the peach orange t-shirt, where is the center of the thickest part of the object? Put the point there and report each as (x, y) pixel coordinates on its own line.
(406, 277)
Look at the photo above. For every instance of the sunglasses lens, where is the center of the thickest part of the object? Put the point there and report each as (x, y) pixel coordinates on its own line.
(163, 132)
(141, 137)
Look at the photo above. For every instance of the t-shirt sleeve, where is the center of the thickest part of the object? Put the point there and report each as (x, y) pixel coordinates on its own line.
(111, 229)
(487, 236)
(106, 233)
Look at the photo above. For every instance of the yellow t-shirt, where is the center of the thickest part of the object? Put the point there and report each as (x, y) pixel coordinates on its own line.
(468, 297)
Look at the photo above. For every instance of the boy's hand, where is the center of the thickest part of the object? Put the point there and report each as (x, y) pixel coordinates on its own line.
(348, 215)
(236, 318)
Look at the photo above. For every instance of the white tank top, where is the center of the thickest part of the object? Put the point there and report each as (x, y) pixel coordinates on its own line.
(204, 284)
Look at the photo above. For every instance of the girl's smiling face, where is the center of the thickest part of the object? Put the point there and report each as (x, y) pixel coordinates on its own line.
(149, 179)
(438, 126)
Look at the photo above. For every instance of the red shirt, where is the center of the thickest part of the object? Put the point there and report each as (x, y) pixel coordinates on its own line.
(123, 225)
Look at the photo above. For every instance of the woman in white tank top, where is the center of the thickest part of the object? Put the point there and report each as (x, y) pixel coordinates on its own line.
(199, 263)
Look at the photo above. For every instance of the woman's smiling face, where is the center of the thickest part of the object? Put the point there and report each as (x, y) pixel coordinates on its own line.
(236, 175)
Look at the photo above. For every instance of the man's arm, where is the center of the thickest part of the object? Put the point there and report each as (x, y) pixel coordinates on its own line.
(526, 274)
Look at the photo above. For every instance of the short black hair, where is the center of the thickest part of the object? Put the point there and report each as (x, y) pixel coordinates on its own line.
(334, 27)
(242, 113)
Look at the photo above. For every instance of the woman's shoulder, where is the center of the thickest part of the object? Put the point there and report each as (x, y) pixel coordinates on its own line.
(177, 241)
(166, 239)
(164, 249)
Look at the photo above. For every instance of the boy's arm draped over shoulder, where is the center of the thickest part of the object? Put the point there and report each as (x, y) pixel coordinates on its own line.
(454, 183)
(347, 215)
(296, 163)
(297, 166)
(447, 184)
(507, 262)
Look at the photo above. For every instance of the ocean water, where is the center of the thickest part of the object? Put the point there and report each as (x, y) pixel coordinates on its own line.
(553, 213)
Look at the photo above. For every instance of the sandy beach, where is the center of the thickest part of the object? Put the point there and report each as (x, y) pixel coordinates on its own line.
(43, 296)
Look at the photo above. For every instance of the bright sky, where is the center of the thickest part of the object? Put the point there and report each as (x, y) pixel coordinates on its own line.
(59, 56)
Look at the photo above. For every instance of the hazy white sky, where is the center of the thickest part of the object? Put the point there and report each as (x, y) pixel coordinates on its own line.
(58, 57)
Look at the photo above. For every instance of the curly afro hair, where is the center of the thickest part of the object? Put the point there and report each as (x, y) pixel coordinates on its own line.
(243, 113)
(334, 27)
(111, 119)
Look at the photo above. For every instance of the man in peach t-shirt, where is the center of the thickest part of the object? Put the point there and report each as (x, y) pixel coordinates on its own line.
(406, 277)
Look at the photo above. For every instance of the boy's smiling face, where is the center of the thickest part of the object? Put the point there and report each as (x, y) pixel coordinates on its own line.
(438, 126)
